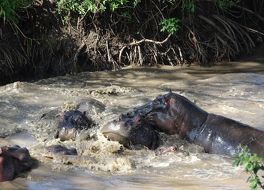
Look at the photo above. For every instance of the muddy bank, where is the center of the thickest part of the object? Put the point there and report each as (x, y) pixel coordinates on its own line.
(46, 43)
(29, 110)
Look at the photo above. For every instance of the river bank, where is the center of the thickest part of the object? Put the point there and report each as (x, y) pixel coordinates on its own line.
(46, 38)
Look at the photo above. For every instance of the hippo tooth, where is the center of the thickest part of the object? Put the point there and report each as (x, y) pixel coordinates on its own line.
(114, 127)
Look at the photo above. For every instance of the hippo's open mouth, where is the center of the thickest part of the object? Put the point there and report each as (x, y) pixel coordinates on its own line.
(116, 131)
(131, 135)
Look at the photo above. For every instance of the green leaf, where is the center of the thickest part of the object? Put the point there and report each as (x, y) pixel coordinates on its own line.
(253, 183)
(170, 25)
(252, 164)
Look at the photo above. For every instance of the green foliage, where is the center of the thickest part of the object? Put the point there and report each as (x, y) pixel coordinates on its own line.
(82, 7)
(170, 25)
(66, 7)
(8, 8)
(252, 165)
(226, 4)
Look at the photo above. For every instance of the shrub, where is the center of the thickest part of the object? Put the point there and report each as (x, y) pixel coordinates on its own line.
(82, 7)
(252, 164)
(170, 25)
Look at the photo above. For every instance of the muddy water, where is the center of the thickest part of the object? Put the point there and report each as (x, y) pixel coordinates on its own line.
(29, 110)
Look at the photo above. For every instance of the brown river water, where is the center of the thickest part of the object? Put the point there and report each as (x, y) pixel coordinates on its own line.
(235, 90)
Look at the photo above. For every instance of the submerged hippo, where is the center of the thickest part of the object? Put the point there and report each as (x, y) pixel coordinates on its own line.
(59, 149)
(13, 161)
(70, 123)
(53, 150)
(130, 135)
(130, 128)
(174, 114)
(82, 118)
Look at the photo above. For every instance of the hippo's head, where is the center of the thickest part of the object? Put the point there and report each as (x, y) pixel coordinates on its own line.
(70, 123)
(13, 161)
(59, 149)
(132, 128)
(178, 115)
(139, 125)
(130, 133)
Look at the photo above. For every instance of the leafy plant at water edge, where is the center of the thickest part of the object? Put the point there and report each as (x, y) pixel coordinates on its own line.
(170, 25)
(252, 164)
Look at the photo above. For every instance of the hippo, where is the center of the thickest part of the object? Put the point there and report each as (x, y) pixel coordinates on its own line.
(14, 160)
(59, 149)
(132, 129)
(174, 114)
(55, 150)
(130, 135)
(70, 123)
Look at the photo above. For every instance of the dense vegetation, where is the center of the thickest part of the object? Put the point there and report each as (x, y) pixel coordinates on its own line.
(54, 37)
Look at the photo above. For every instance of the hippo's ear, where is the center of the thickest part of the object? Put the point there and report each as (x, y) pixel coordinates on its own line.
(3, 149)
